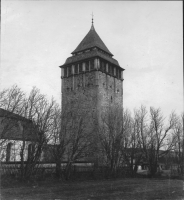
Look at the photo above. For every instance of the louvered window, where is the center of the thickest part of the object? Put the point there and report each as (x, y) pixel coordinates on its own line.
(76, 69)
(69, 70)
(80, 67)
(65, 72)
(103, 66)
(118, 73)
(87, 65)
(92, 64)
(110, 69)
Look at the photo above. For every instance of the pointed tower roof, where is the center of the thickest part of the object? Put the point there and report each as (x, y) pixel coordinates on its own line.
(92, 39)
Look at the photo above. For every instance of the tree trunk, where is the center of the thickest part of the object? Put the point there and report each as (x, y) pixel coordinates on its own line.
(58, 169)
(22, 161)
(68, 170)
(153, 170)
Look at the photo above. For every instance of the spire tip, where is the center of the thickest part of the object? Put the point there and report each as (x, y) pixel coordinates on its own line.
(92, 27)
(92, 18)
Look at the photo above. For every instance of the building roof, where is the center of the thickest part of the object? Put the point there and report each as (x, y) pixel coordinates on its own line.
(92, 39)
(10, 129)
(8, 114)
(88, 55)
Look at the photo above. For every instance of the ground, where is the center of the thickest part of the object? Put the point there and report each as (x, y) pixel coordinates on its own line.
(128, 189)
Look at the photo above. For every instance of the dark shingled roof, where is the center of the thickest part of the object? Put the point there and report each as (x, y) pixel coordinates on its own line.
(9, 127)
(88, 55)
(9, 114)
(92, 39)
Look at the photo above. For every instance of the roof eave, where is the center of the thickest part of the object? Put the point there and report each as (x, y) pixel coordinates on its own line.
(74, 52)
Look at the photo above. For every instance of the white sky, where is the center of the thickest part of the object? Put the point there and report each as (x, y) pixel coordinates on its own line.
(146, 38)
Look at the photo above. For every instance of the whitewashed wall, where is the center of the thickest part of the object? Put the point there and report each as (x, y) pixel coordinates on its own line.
(15, 150)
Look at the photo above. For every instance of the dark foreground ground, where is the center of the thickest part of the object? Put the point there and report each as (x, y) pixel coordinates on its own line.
(140, 188)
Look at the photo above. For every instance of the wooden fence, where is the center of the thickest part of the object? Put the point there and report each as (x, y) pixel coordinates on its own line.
(15, 167)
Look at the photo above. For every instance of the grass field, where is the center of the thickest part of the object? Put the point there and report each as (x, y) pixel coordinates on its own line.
(130, 189)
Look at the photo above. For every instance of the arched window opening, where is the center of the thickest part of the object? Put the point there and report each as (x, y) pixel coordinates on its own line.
(8, 152)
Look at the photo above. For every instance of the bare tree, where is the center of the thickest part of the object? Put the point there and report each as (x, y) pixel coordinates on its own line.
(11, 101)
(36, 110)
(71, 138)
(79, 144)
(111, 138)
(156, 138)
(41, 112)
(59, 139)
(132, 145)
(179, 144)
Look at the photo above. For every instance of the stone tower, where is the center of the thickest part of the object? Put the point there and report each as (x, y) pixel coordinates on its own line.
(91, 79)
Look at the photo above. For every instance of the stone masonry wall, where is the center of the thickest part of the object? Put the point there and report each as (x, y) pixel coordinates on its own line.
(90, 93)
(110, 92)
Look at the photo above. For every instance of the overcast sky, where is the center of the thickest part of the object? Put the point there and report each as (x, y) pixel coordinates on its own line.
(145, 37)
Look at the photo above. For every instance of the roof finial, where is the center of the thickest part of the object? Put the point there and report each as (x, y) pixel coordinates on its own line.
(92, 27)
(92, 18)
